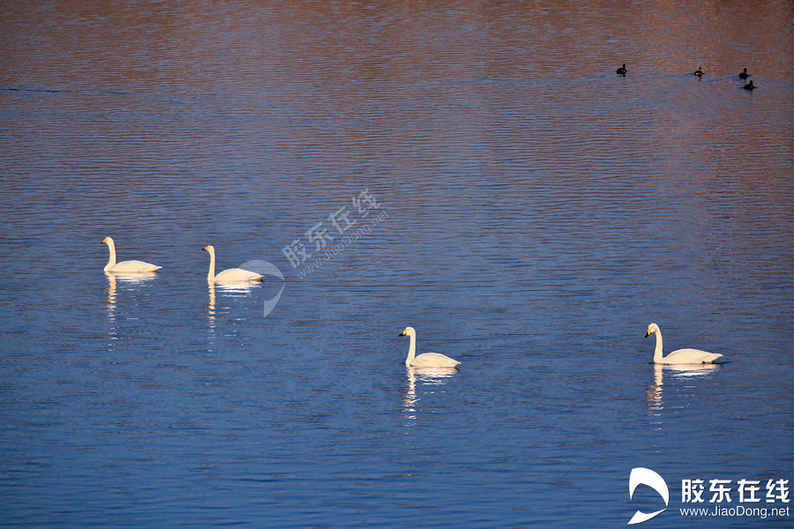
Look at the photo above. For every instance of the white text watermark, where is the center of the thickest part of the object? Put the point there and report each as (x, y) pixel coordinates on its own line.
(715, 497)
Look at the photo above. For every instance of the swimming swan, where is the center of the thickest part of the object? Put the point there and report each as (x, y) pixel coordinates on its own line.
(426, 359)
(129, 267)
(681, 356)
(231, 275)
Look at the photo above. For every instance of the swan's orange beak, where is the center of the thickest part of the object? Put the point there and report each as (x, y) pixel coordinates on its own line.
(205, 248)
(105, 240)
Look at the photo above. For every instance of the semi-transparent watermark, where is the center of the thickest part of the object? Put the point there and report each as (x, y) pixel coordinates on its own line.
(323, 241)
(267, 269)
(328, 238)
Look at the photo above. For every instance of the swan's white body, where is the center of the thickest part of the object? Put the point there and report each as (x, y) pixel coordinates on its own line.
(230, 275)
(125, 267)
(426, 359)
(680, 356)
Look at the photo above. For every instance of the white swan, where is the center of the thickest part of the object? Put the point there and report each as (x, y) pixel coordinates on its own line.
(426, 359)
(230, 275)
(125, 267)
(681, 356)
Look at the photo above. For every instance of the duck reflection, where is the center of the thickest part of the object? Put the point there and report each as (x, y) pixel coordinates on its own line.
(655, 393)
(427, 376)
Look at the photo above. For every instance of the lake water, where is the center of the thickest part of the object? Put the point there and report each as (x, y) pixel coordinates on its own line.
(475, 170)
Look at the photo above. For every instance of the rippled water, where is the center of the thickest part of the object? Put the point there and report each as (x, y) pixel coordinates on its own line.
(530, 213)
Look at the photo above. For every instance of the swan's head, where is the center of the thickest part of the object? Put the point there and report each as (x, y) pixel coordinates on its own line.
(408, 331)
(107, 240)
(652, 328)
(209, 248)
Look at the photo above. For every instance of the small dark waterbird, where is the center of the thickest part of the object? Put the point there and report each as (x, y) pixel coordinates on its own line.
(750, 86)
(743, 74)
(622, 70)
(699, 72)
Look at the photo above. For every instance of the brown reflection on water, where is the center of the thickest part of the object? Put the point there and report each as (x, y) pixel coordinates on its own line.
(208, 44)
(523, 94)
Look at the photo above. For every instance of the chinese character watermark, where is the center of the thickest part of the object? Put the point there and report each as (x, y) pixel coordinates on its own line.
(327, 238)
(716, 497)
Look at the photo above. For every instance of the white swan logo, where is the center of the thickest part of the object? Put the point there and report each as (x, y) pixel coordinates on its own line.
(266, 268)
(646, 476)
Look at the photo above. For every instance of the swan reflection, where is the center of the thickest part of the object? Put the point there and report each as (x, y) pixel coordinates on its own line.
(427, 376)
(115, 280)
(655, 392)
(216, 292)
(130, 279)
(229, 290)
(235, 289)
(211, 307)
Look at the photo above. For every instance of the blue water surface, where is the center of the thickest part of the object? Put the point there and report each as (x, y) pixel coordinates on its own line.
(476, 171)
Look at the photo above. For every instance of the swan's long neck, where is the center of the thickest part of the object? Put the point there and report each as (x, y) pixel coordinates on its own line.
(211, 273)
(111, 256)
(411, 351)
(657, 353)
